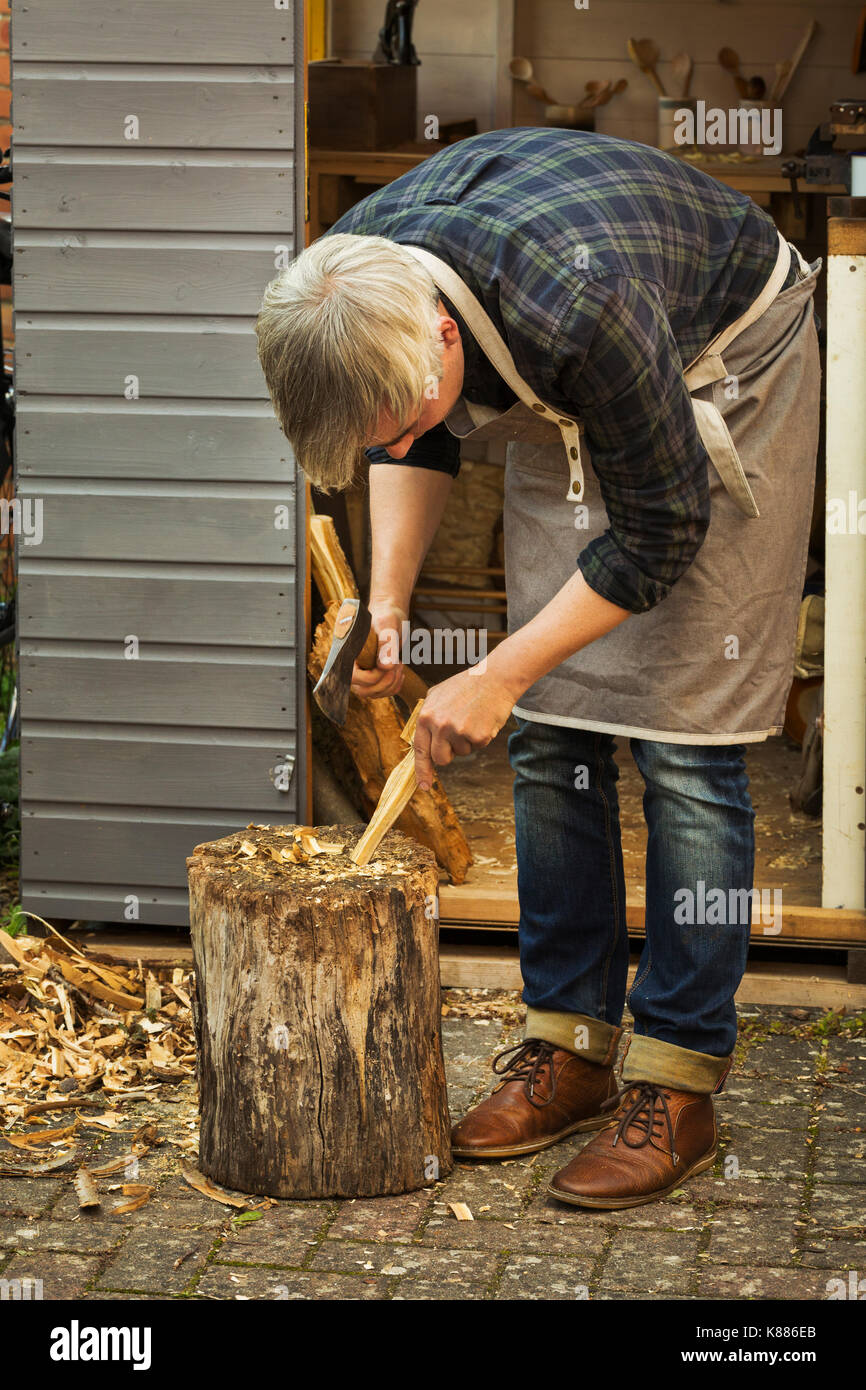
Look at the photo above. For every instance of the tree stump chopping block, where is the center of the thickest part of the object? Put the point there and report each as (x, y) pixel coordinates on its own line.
(317, 1014)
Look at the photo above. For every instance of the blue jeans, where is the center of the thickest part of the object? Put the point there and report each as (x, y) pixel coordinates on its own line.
(573, 940)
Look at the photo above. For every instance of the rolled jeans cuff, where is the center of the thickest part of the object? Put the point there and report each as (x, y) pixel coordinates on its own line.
(587, 1037)
(650, 1059)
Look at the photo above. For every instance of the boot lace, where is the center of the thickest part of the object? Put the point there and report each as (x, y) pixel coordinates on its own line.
(528, 1061)
(645, 1109)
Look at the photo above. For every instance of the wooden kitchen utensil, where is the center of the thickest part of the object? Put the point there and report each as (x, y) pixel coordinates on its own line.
(597, 93)
(783, 78)
(644, 53)
(729, 59)
(681, 65)
(782, 70)
(522, 71)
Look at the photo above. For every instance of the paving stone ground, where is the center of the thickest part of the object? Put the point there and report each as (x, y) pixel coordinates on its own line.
(782, 1215)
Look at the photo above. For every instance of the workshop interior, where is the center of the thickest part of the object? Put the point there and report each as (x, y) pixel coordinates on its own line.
(384, 97)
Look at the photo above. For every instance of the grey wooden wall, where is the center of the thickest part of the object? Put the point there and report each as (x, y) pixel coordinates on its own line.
(170, 508)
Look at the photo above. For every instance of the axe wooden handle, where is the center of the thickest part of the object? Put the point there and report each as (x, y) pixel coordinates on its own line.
(366, 657)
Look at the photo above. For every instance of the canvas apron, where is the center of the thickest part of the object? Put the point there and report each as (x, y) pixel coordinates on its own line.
(712, 662)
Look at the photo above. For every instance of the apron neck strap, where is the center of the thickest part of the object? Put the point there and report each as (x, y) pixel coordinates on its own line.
(481, 327)
(484, 332)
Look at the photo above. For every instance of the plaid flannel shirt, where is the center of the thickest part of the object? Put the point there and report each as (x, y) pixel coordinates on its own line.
(607, 267)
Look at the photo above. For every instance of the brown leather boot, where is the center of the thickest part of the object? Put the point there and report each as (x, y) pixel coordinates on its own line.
(548, 1094)
(656, 1140)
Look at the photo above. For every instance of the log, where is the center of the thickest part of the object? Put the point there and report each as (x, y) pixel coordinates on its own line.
(317, 1014)
(332, 573)
(371, 735)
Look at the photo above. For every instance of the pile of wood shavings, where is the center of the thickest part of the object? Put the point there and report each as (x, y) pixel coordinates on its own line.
(309, 856)
(74, 1031)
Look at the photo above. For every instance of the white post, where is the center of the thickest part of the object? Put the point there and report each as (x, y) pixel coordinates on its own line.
(845, 631)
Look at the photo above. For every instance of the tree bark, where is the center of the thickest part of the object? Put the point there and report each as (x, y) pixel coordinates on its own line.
(317, 1016)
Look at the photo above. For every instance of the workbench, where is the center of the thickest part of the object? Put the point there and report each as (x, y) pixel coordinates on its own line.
(340, 178)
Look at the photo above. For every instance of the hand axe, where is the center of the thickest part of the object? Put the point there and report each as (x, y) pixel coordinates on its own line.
(353, 641)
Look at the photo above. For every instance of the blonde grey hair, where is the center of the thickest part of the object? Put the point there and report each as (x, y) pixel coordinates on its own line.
(345, 331)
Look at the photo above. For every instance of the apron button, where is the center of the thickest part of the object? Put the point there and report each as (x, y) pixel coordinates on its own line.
(566, 422)
(540, 409)
(575, 453)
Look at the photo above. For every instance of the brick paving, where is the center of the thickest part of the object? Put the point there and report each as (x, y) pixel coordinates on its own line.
(782, 1214)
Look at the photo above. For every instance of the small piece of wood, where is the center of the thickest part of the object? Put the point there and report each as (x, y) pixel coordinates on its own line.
(317, 1016)
(371, 736)
(396, 795)
(461, 1211)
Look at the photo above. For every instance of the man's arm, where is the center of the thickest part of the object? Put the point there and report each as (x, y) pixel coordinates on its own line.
(406, 507)
(574, 617)
(468, 710)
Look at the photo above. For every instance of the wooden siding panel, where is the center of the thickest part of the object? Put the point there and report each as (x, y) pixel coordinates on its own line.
(123, 852)
(168, 356)
(158, 31)
(143, 190)
(154, 273)
(102, 438)
(200, 108)
(212, 606)
(216, 770)
(188, 690)
(231, 528)
(160, 907)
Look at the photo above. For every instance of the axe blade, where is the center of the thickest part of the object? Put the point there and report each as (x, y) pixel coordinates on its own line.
(351, 629)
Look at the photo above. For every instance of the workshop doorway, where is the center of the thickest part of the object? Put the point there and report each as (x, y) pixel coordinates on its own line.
(462, 590)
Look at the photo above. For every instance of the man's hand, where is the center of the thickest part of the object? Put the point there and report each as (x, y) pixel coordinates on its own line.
(386, 677)
(463, 713)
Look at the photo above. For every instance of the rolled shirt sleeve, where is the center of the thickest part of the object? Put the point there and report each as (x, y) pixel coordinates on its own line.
(616, 359)
(437, 448)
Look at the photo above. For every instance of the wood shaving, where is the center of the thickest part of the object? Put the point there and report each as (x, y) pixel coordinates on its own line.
(85, 1190)
(209, 1189)
(140, 1194)
(461, 1211)
(67, 1017)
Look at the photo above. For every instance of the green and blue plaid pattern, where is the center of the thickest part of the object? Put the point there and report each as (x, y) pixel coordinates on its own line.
(607, 267)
